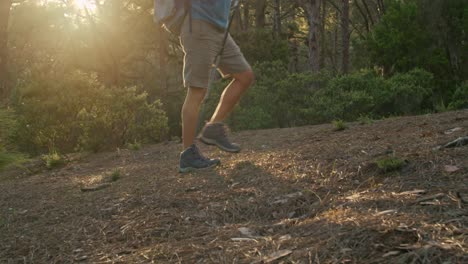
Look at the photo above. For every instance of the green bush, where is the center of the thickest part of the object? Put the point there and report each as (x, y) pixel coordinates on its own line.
(460, 98)
(277, 99)
(260, 46)
(8, 154)
(401, 41)
(257, 108)
(8, 125)
(410, 93)
(346, 97)
(121, 116)
(365, 93)
(78, 113)
(8, 159)
(281, 99)
(293, 98)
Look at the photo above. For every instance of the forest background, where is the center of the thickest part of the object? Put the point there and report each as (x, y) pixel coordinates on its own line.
(85, 75)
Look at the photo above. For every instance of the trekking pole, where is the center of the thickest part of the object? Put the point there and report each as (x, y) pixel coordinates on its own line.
(215, 65)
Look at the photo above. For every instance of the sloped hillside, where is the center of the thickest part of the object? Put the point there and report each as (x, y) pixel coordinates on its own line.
(373, 193)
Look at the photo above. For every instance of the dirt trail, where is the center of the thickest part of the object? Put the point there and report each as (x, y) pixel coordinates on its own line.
(299, 195)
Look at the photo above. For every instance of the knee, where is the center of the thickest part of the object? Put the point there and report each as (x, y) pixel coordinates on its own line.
(196, 95)
(247, 78)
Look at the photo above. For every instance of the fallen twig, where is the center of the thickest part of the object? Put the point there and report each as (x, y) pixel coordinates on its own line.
(461, 141)
(95, 187)
(275, 256)
(432, 197)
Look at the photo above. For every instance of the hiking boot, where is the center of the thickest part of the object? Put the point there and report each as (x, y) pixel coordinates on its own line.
(216, 134)
(191, 159)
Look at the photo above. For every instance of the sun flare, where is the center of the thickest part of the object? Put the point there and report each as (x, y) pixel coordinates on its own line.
(89, 5)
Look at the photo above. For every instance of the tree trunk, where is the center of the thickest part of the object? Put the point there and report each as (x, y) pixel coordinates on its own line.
(366, 6)
(323, 38)
(246, 10)
(334, 54)
(381, 7)
(312, 8)
(364, 16)
(5, 6)
(345, 36)
(260, 7)
(163, 59)
(237, 24)
(277, 16)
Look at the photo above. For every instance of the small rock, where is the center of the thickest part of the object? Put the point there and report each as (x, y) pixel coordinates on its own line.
(246, 231)
(451, 168)
(81, 258)
(345, 250)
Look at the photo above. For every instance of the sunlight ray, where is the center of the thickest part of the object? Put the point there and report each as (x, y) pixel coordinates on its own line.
(89, 5)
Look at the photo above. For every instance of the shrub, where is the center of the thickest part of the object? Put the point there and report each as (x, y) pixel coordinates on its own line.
(5, 159)
(8, 125)
(293, 98)
(409, 93)
(281, 99)
(347, 97)
(260, 45)
(365, 120)
(364, 93)
(257, 108)
(401, 41)
(460, 98)
(8, 159)
(121, 116)
(8, 154)
(78, 113)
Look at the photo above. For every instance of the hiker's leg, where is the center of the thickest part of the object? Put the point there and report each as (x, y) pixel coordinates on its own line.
(190, 112)
(232, 94)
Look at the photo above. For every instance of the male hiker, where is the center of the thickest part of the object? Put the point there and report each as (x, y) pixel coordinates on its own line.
(202, 40)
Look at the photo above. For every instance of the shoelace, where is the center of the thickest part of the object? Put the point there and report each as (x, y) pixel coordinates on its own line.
(224, 130)
(200, 156)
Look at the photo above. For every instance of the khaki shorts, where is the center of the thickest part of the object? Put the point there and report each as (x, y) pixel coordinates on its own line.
(201, 47)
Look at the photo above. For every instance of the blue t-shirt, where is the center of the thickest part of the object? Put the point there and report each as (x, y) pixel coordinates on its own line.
(213, 11)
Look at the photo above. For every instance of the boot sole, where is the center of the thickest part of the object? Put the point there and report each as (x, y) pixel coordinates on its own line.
(212, 142)
(192, 169)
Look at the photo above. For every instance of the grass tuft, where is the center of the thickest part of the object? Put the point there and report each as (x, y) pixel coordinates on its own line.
(10, 159)
(115, 176)
(390, 164)
(134, 146)
(365, 120)
(53, 160)
(340, 125)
